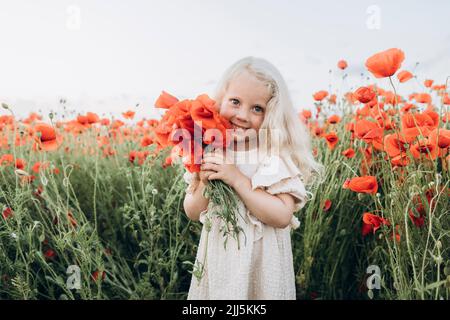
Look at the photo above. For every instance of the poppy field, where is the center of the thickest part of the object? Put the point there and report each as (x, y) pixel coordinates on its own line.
(92, 206)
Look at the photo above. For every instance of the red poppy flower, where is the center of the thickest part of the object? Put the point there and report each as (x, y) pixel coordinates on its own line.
(95, 275)
(318, 131)
(407, 107)
(332, 139)
(419, 219)
(320, 95)
(204, 113)
(179, 116)
(117, 124)
(6, 159)
(20, 164)
(348, 153)
(38, 166)
(423, 98)
(139, 155)
(305, 114)
(404, 76)
(332, 99)
(327, 205)
(32, 118)
(391, 98)
(365, 94)
(397, 234)
(428, 83)
(192, 160)
(418, 213)
(366, 184)
(83, 120)
(351, 98)
(72, 220)
(179, 123)
(165, 100)
(342, 64)
(442, 139)
(7, 213)
(371, 223)
(419, 123)
(152, 123)
(146, 141)
(162, 132)
(167, 162)
(446, 99)
(425, 147)
(386, 63)
(395, 144)
(46, 138)
(334, 119)
(92, 117)
(128, 115)
(49, 254)
(369, 132)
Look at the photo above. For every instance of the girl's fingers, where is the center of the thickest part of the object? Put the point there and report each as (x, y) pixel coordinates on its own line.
(206, 173)
(213, 159)
(210, 166)
(217, 160)
(213, 176)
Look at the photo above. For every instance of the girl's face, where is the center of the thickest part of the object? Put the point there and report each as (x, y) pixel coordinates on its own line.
(244, 105)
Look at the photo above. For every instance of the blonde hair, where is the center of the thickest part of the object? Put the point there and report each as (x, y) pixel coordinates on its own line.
(293, 140)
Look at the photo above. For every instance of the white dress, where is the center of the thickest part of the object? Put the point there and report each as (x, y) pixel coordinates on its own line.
(262, 267)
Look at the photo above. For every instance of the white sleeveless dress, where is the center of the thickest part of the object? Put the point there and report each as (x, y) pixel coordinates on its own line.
(262, 267)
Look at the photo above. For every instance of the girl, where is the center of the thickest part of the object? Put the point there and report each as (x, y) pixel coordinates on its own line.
(268, 174)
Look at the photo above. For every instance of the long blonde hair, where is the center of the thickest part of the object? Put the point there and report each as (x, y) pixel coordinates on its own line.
(293, 138)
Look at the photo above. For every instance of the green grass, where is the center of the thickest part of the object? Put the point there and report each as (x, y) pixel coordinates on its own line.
(131, 224)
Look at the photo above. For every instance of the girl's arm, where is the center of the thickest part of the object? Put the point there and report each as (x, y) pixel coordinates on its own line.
(194, 203)
(273, 210)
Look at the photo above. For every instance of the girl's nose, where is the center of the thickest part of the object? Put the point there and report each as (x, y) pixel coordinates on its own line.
(242, 115)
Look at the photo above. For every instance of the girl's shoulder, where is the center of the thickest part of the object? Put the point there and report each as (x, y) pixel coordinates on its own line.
(273, 168)
(279, 174)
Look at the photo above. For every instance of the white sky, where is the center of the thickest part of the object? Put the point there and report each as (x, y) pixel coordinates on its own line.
(125, 52)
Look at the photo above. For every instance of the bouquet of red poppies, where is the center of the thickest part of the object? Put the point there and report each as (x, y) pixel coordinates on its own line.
(192, 128)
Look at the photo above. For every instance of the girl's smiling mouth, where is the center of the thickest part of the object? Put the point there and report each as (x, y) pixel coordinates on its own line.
(235, 126)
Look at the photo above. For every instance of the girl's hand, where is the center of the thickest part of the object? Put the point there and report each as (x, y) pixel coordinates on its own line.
(222, 168)
(204, 174)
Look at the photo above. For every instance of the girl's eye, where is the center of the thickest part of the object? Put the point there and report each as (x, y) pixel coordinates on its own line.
(234, 101)
(258, 109)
